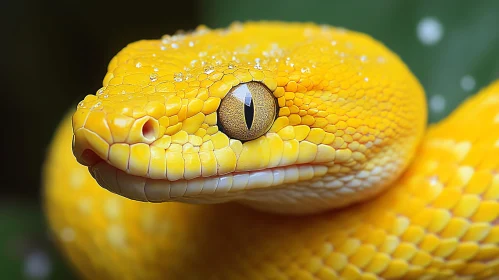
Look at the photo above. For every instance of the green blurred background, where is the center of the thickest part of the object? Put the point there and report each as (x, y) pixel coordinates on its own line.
(54, 53)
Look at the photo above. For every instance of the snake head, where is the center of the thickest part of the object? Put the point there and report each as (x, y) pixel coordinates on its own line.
(291, 118)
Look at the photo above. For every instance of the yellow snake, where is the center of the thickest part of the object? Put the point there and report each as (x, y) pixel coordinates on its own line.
(289, 150)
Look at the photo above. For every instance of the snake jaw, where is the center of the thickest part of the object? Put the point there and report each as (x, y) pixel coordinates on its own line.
(215, 189)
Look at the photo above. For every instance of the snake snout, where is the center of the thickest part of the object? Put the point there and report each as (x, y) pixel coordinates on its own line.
(88, 148)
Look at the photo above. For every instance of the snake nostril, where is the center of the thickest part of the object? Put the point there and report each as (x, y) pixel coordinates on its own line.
(89, 157)
(149, 130)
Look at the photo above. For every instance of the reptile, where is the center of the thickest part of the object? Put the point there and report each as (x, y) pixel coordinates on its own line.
(273, 150)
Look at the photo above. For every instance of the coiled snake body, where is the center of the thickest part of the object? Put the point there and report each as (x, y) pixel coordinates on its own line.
(289, 151)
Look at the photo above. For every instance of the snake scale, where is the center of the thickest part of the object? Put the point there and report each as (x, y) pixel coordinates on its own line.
(271, 150)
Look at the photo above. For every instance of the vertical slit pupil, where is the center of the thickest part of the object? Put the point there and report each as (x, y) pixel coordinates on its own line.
(249, 110)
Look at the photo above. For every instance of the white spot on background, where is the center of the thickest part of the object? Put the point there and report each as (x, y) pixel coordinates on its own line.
(77, 178)
(468, 83)
(85, 205)
(112, 208)
(429, 31)
(37, 265)
(67, 234)
(437, 103)
(116, 235)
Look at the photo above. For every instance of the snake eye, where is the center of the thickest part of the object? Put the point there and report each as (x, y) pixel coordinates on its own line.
(247, 111)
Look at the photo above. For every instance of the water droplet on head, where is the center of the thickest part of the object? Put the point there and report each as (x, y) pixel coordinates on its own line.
(305, 70)
(236, 26)
(191, 44)
(155, 69)
(366, 79)
(231, 66)
(209, 69)
(174, 45)
(153, 77)
(97, 105)
(363, 58)
(165, 39)
(138, 65)
(100, 91)
(201, 54)
(162, 47)
(178, 77)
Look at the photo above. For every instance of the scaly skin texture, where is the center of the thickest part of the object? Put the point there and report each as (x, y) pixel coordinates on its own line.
(350, 117)
(439, 220)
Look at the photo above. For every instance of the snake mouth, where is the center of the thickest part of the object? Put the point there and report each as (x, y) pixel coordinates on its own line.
(201, 190)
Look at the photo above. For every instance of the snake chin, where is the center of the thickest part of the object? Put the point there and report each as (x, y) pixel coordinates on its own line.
(238, 186)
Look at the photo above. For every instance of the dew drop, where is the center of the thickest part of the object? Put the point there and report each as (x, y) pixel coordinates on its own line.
(138, 65)
(97, 105)
(191, 44)
(178, 77)
(231, 66)
(236, 26)
(174, 45)
(153, 77)
(81, 104)
(208, 69)
(155, 69)
(363, 58)
(163, 48)
(366, 79)
(165, 39)
(100, 91)
(305, 70)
